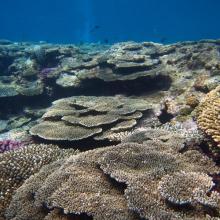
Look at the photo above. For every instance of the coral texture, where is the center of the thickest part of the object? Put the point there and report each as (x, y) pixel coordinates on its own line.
(185, 188)
(17, 166)
(208, 115)
(7, 145)
(92, 182)
(81, 117)
(25, 68)
(152, 174)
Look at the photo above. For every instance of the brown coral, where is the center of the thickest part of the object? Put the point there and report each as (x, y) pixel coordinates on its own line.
(77, 187)
(61, 131)
(179, 189)
(84, 184)
(185, 188)
(16, 166)
(208, 115)
(81, 117)
(192, 101)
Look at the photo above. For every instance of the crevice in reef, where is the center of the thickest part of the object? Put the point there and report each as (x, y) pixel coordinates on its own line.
(90, 87)
(82, 145)
(6, 61)
(16, 104)
(211, 150)
(187, 208)
(165, 117)
(97, 87)
(82, 216)
(120, 186)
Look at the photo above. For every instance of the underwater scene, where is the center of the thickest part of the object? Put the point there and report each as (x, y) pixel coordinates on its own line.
(110, 110)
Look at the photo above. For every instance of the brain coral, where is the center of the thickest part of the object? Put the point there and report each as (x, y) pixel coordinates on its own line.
(126, 181)
(208, 115)
(81, 117)
(16, 166)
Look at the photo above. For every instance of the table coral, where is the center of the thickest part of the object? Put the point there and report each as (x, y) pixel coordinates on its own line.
(182, 188)
(81, 117)
(92, 182)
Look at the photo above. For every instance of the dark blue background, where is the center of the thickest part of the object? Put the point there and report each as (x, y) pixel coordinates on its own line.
(75, 21)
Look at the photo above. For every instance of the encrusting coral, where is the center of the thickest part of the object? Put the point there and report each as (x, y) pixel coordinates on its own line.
(208, 115)
(92, 182)
(18, 165)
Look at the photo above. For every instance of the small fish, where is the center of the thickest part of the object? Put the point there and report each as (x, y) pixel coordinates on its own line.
(96, 27)
(106, 41)
(163, 40)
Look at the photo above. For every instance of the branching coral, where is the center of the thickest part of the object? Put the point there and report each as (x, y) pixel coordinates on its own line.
(144, 196)
(131, 160)
(17, 166)
(89, 191)
(93, 183)
(208, 115)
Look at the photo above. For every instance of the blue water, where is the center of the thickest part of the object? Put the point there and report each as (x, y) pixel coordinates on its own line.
(79, 21)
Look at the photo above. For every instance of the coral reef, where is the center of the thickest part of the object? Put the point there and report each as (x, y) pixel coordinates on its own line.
(16, 166)
(91, 183)
(143, 97)
(27, 69)
(81, 117)
(208, 115)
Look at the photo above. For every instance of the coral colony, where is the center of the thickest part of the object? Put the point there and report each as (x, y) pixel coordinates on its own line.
(45, 72)
(8, 145)
(129, 131)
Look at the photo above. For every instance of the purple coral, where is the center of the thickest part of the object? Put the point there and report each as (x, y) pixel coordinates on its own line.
(45, 72)
(8, 145)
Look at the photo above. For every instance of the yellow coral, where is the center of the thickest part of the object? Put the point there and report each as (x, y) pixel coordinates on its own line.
(208, 115)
